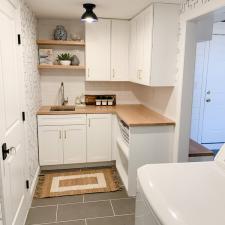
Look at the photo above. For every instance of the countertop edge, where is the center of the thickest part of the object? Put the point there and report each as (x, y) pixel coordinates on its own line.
(169, 122)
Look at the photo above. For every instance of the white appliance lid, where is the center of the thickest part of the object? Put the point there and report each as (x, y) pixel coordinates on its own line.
(185, 193)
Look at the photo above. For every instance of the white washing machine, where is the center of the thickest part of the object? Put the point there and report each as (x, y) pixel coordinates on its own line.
(182, 193)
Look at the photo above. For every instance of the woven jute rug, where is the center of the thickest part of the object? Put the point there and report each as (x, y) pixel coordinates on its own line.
(53, 184)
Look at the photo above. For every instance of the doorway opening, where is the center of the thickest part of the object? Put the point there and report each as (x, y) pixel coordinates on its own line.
(202, 109)
(208, 107)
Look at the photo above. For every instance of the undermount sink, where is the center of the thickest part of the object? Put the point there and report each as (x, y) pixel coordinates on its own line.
(62, 108)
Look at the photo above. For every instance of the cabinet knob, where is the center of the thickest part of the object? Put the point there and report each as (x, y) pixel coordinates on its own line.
(208, 100)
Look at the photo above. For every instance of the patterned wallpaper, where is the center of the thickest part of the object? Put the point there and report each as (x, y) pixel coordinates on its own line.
(191, 4)
(32, 84)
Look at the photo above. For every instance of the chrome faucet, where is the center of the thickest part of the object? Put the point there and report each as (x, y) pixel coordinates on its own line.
(63, 100)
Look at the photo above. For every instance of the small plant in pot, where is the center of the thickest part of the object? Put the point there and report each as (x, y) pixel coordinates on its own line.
(64, 59)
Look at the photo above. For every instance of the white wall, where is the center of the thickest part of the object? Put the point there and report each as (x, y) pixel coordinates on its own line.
(31, 84)
(190, 10)
(74, 81)
(160, 99)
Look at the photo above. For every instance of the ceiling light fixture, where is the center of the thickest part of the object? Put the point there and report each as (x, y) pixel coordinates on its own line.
(89, 16)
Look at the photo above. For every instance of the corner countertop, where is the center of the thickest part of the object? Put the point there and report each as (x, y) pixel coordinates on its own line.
(132, 115)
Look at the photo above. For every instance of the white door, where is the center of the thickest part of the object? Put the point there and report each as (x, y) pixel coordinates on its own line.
(119, 50)
(12, 128)
(201, 63)
(98, 137)
(213, 130)
(50, 145)
(97, 38)
(74, 139)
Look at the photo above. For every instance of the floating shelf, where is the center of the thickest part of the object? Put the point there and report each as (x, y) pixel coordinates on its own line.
(56, 42)
(61, 67)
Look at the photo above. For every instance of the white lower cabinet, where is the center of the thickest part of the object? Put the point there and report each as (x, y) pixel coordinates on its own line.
(62, 144)
(99, 128)
(50, 145)
(66, 139)
(74, 143)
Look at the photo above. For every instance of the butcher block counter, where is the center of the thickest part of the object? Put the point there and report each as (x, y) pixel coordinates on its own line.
(132, 115)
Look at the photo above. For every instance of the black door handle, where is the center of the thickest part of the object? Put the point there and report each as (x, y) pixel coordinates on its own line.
(5, 151)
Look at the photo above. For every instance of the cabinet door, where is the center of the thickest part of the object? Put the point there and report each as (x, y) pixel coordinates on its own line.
(119, 50)
(133, 51)
(140, 48)
(74, 140)
(166, 20)
(98, 137)
(98, 50)
(148, 33)
(50, 145)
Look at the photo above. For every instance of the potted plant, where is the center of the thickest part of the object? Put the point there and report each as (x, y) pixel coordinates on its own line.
(64, 59)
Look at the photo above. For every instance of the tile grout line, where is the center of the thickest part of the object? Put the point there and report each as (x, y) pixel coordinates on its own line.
(112, 207)
(63, 221)
(91, 218)
(83, 201)
(100, 217)
(57, 207)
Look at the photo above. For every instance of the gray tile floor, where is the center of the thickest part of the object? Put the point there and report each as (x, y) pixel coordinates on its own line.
(113, 208)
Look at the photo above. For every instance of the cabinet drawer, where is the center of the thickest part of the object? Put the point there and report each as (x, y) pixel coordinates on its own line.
(57, 120)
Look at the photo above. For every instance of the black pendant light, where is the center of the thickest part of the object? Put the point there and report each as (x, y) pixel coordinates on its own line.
(89, 16)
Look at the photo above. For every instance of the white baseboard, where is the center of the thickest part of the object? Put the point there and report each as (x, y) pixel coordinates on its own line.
(30, 193)
(34, 183)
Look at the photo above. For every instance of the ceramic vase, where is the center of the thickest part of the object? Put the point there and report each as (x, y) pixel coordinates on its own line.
(60, 33)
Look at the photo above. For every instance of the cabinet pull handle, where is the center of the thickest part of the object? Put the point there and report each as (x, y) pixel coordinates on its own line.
(113, 72)
(65, 134)
(60, 134)
(140, 74)
(89, 122)
(88, 72)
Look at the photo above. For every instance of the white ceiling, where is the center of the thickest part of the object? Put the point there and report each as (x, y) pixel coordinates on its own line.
(68, 9)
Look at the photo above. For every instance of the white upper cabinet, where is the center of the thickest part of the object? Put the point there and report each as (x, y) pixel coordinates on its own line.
(132, 51)
(98, 50)
(153, 45)
(107, 49)
(119, 50)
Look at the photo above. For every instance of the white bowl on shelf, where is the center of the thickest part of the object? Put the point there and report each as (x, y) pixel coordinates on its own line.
(65, 62)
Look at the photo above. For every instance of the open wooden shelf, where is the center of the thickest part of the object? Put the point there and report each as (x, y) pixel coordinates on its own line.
(64, 43)
(71, 67)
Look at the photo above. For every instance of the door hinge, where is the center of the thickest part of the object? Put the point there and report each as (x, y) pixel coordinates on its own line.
(23, 116)
(27, 184)
(19, 39)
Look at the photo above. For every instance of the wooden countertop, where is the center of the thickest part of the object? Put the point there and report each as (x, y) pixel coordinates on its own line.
(196, 150)
(132, 115)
